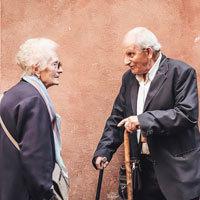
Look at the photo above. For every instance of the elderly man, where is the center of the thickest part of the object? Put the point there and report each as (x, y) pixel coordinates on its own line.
(158, 105)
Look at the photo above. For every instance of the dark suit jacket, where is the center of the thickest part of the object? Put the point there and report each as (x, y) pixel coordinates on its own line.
(170, 122)
(26, 174)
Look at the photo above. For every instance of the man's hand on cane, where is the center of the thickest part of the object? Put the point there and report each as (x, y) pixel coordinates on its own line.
(132, 124)
(101, 162)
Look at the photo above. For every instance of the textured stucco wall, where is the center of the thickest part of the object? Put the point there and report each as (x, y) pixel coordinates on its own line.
(90, 33)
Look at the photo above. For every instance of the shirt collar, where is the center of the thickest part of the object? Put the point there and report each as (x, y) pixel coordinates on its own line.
(152, 72)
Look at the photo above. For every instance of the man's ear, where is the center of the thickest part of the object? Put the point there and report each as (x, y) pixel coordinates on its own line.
(149, 51)
(36, 70)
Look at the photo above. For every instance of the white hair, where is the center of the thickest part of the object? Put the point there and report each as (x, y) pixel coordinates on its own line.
(35, 51)
(142, 37)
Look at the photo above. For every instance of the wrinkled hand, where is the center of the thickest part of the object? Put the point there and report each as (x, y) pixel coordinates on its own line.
(130, 123)
(101, 162)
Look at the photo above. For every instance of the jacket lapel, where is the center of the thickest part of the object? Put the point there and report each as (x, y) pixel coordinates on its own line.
(134, 94)
(157, 82)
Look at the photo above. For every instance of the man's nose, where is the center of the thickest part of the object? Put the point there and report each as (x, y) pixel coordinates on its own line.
(126, 60)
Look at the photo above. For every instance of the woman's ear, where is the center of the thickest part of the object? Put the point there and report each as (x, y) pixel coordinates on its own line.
(36, 70)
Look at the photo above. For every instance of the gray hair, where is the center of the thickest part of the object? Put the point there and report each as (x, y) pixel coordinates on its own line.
(35, 51)
(142, 37)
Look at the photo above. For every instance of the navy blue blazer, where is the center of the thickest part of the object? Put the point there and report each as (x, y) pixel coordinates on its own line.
(26, 175)
(170, 122)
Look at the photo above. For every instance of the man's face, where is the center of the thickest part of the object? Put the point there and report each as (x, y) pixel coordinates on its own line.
(137, 59)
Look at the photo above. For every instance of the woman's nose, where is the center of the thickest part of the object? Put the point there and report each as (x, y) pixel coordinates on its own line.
(60, 70)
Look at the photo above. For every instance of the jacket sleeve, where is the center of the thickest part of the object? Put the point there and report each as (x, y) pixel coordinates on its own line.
(36, 146)
(183, 115)
(112, 136)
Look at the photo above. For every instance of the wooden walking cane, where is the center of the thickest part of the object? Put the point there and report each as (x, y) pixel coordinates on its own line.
(128, 165)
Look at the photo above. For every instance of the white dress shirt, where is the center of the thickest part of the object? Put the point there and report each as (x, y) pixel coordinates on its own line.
(144, 85)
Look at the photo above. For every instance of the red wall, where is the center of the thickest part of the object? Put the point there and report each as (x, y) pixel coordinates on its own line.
(90, 34)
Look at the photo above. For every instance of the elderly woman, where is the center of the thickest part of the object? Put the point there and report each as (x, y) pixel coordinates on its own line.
(28, 157)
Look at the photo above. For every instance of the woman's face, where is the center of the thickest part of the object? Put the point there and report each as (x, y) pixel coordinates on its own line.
(50, 75)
